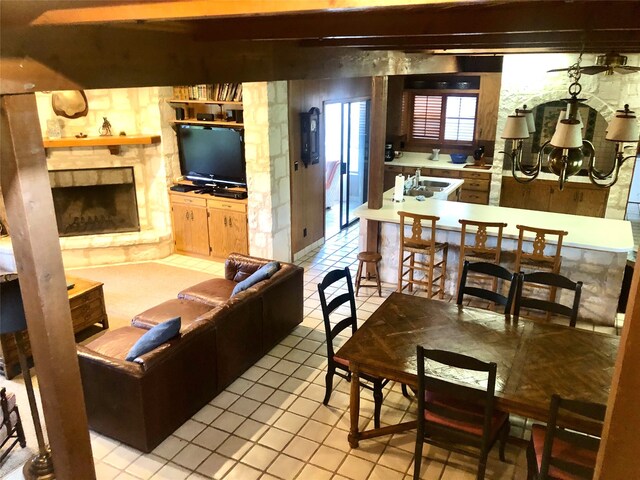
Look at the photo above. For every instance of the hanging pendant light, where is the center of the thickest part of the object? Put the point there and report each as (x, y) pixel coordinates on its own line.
(567, 151)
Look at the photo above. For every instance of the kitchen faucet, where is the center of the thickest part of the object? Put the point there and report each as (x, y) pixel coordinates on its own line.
(416, 179)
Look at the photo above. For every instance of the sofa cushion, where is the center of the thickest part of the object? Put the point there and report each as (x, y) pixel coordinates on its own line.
(263, 273)
(211, 292)
(154, 337)
(116, 343)
(188, 310)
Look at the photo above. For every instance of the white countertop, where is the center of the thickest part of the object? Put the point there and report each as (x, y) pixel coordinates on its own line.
(592, 233)
(454, 184)
(423, 160)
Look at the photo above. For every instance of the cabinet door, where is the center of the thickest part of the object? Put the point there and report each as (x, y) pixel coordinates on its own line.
(190, 229)
(235, 236)
(531, 196)
(217, 230)
(592, 201)
(579, 199)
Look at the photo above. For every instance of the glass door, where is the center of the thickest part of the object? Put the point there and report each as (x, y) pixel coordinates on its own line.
(349, 124)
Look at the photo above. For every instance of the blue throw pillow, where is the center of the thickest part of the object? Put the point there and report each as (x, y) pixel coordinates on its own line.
(264, 272)
(155, 337)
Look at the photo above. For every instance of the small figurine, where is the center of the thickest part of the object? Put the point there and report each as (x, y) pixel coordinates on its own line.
(105, 129)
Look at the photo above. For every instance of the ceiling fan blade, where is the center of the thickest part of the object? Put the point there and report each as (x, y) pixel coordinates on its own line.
(626, 70)
(558, 70)
(593, 69)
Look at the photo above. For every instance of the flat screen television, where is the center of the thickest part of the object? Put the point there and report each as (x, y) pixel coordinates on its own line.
(212, 155)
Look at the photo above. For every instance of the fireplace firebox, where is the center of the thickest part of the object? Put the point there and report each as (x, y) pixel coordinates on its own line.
(95, 201)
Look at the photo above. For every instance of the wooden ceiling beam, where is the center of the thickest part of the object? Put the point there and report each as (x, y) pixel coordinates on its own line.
(601, 41)
(191, 9)
(583, 18)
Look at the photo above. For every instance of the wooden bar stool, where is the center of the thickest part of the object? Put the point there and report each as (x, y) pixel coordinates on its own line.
(368, 257)
(478, 251)
(536, 259)
(416, 244)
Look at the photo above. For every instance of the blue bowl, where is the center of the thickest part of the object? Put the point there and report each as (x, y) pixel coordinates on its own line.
(458, 157)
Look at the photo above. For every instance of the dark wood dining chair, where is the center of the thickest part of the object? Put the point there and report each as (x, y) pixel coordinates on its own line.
(488, 272)
(336, 365)
(557, 453)
(457, 417)
(11, 431)
(554, 281)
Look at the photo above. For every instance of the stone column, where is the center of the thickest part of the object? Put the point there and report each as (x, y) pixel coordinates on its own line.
(267, 155)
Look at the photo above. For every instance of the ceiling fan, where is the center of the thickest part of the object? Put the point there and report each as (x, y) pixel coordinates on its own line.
(608, 63)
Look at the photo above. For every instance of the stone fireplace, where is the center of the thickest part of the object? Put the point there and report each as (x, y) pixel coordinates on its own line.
(95, 201)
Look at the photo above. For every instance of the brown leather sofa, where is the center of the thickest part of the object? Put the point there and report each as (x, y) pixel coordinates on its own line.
(141, 403)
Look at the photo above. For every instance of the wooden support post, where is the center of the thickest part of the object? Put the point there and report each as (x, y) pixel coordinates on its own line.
(377, 139)
(34, 235)
(620, 444)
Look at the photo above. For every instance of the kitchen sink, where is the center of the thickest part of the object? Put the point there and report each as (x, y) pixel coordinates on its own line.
(434, 185)
(415, 191)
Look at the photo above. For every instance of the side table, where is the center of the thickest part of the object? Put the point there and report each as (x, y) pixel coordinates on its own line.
(86, 300)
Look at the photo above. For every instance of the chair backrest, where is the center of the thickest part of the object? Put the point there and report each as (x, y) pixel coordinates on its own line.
(417, 240)
(455, 398)
(554, 281)
(479, 246)
(341, 298)
(577, 440)
(552, 262)
(490, 270)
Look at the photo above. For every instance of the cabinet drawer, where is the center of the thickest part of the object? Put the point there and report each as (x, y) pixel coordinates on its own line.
(436, 172)
(471, 196)
(395, 169)
(473, 184)
(189, 200)
(477, 175)
(230, 206)
(86, 297)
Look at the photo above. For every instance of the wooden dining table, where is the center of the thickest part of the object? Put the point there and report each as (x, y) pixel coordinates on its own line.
(535, 359)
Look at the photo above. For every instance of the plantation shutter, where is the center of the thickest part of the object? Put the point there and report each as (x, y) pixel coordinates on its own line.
(427, 117)
(460, 118)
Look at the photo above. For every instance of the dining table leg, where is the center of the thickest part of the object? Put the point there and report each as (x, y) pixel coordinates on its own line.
(354, 410)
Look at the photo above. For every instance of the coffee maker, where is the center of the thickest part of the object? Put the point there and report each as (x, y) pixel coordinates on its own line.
(388, 152)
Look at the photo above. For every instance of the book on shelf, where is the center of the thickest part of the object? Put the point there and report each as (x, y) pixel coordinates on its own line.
(223, 92)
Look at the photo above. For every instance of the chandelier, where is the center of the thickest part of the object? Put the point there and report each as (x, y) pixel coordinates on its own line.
(566, 152)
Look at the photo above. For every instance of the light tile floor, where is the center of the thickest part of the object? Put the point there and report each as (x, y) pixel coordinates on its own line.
(271, 424)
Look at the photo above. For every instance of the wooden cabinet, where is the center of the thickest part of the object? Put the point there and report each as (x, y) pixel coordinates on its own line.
(228, 228)
(545, 195)
(488, 100)
(209, 226)
(86, 302)
(190, 226)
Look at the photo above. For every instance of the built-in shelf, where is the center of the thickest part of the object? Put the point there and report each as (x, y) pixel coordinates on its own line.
(205, 122)
(206, 102)
(112, 142)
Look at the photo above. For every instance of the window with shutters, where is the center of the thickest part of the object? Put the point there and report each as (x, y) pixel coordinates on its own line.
(443, 119)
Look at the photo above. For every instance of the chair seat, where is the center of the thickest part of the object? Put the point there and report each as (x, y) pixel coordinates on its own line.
(497, 421)
(419, 248)
(341, 361)
(562, 450)
(369, 256)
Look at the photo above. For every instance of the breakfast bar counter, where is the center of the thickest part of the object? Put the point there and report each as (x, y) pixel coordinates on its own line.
(594, 251)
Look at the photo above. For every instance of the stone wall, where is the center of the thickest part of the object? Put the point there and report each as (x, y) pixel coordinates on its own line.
(267, 155)
(525, 80)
